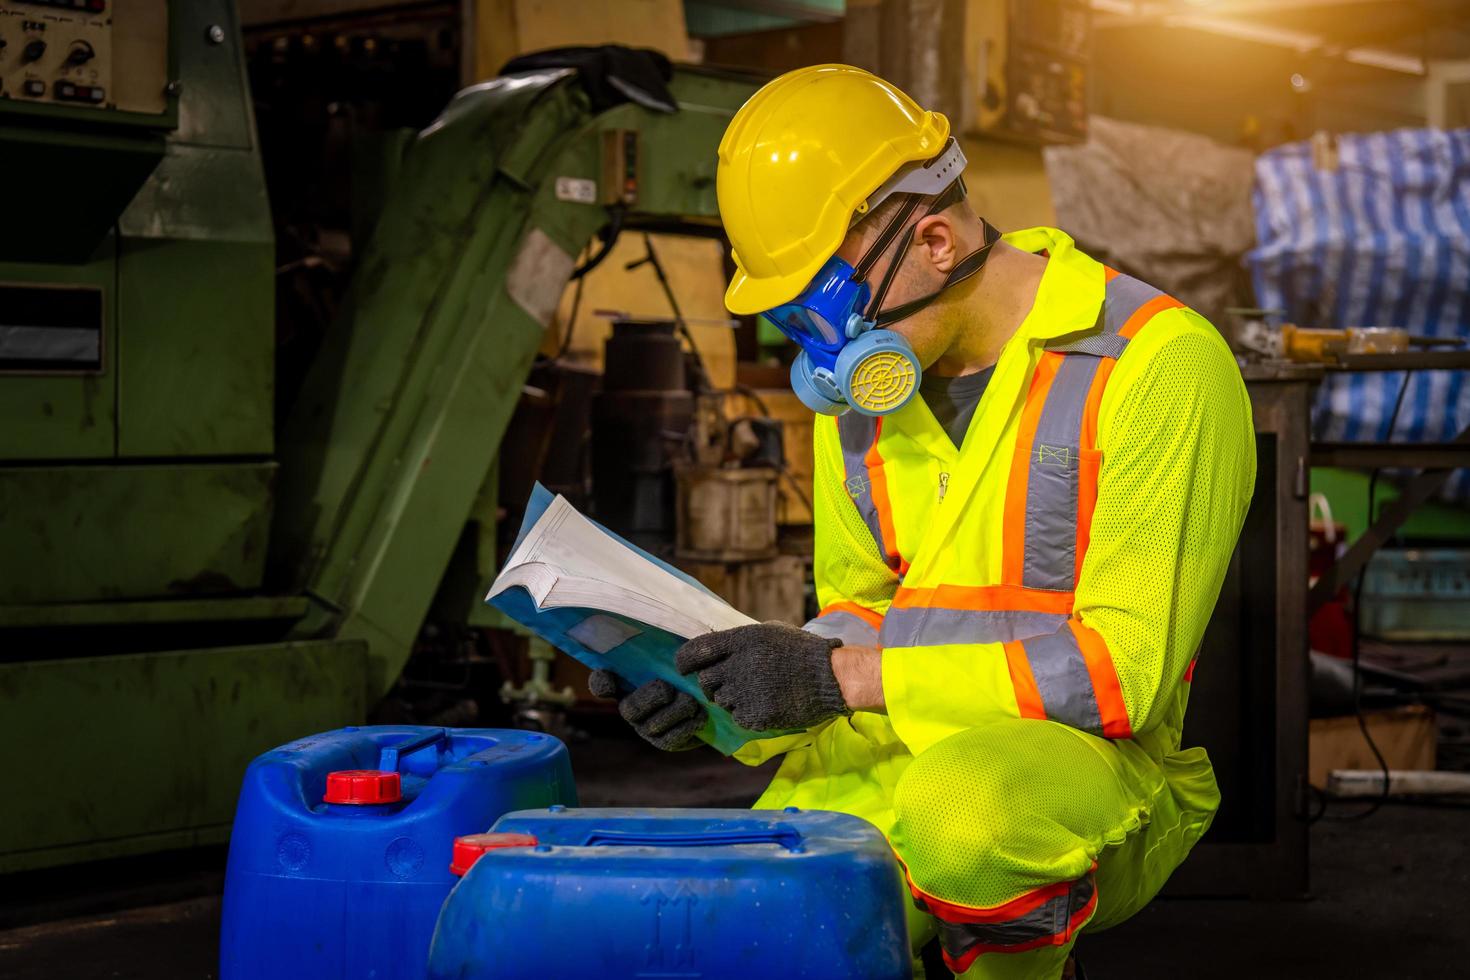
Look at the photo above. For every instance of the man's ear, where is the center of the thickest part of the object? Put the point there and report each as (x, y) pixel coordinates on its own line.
(934, 236)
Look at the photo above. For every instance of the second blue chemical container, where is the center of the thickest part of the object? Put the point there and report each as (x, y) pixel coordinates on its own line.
(339, 858)
(675, 893)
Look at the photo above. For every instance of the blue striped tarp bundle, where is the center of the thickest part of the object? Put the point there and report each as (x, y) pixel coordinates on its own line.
(1381, 241)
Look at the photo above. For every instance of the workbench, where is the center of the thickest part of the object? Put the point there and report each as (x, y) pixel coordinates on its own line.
(1249, 700)
(1249, 705)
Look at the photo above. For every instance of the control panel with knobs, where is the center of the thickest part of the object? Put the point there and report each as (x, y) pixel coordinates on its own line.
(58, 51)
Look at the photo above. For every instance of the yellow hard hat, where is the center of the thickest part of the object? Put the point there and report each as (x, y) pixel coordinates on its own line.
(799, 159)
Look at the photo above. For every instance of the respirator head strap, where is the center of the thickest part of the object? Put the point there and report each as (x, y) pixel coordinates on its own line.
(964, 269)
(952, 195)
(886, 238)
(899, 225)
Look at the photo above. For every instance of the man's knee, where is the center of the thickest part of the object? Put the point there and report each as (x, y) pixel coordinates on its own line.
(998, 810)
(993, 773)
(940, 789)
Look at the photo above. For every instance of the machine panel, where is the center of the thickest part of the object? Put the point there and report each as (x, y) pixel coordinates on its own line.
(162, 739)
(79, 533)
(104, 54)
(51, 329)
(58, 400)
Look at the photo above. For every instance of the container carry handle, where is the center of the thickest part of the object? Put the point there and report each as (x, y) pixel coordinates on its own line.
(390, 756)
(787, 837)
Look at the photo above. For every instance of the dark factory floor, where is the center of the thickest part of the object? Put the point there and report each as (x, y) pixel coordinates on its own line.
(1385, 899)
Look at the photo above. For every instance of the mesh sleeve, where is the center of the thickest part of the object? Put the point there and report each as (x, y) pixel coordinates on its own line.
(1178, 467)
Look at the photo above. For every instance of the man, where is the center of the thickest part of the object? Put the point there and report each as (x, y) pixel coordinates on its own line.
(1015, 570)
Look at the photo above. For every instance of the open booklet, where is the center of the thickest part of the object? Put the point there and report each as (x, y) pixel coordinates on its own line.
(611, 605)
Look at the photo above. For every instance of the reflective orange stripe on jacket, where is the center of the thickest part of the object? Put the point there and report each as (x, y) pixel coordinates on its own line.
(1061, 669)
(866, 483)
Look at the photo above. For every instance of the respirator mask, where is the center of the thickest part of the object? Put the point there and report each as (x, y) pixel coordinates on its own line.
(849, 359)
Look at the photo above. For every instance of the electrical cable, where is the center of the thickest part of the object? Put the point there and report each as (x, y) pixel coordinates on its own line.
(1373, 807)
(566, 340)
(1319, 797)
(703, 380)
(609, 234)
(754, 396)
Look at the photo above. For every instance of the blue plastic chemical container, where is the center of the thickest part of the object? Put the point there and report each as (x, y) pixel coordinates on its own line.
(677, 893)
(351, 888)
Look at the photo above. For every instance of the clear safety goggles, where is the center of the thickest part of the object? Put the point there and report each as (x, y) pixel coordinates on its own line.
(821, 315)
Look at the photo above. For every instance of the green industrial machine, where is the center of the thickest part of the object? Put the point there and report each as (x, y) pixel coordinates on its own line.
(184, 580)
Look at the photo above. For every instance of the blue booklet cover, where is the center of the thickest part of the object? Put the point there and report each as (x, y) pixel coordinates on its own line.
(635, 651)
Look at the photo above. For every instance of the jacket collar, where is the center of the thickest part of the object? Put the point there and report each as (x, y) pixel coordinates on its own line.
(1071, 292)
(1068, 301)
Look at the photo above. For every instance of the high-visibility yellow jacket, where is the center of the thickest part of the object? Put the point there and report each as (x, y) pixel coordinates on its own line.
(1062, 564)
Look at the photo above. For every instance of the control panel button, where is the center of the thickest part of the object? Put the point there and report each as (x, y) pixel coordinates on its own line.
(34, 88)
(71, 92)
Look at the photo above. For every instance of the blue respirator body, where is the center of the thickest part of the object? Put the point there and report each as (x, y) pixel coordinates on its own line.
(846, 361)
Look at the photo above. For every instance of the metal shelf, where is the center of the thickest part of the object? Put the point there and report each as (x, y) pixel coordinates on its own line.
(1391, 455)
(1419, 360)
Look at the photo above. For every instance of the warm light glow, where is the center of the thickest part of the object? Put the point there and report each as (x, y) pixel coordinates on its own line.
(1388, 60)
(1260, 33)
(1225, 20)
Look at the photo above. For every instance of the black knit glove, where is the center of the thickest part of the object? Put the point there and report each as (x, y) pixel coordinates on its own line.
(660, 712)
(767, 675)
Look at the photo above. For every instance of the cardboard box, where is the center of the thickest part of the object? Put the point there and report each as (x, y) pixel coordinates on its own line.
(1405, 736)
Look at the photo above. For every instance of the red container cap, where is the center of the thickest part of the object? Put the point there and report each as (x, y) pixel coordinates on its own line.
(363, 787)
(467, 849)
